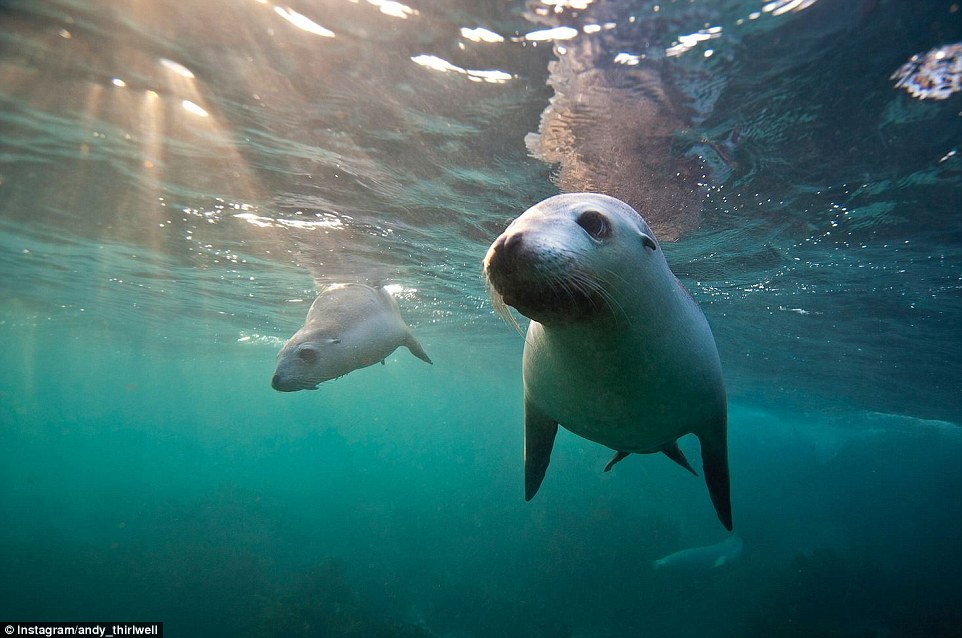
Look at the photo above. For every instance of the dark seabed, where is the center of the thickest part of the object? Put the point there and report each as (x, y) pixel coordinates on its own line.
(177, 179)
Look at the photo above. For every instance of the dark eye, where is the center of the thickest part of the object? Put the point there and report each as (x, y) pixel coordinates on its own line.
(594, 224)
(307, 355)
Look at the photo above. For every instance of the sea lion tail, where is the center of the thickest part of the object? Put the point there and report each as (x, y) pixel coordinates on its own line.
(412, 344)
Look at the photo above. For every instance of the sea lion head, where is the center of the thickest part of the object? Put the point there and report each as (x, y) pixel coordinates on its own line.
(568, 258)
(307, 359)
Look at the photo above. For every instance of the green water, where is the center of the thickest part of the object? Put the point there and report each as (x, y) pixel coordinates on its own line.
(176, 486)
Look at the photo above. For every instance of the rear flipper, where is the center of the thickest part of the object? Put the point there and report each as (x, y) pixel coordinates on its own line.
(671, 450)
(674, 452)
(714, 458)
(617, 457)
(412, 344)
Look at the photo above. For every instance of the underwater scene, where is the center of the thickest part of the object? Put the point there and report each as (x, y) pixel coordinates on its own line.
(179, 181)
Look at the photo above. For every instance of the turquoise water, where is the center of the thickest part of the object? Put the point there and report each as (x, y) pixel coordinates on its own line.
(176, 179)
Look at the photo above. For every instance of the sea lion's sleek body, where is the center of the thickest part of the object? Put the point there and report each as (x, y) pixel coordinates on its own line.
(703, 558)
(617, 351)
(348, 327)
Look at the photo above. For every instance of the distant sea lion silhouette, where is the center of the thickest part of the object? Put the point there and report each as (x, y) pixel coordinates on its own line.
(348, 327)
(703, 558)
(617, 350)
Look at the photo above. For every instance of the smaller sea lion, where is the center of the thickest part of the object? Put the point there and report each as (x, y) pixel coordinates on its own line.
(703, 558)
(348, 327)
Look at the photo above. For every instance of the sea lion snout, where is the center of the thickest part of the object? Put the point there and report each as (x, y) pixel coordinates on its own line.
(293, 380)
(519, 268)
(511, 244)
(504, 259)
(277, 382)
(532, 270)
(505, 251)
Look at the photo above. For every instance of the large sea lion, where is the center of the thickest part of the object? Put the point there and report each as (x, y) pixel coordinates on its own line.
(348, 327)
(617, 350)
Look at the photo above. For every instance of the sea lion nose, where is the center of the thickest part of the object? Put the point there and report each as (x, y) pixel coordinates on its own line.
(506, 248)
(503, 259)
(512, 244)
(276, 381)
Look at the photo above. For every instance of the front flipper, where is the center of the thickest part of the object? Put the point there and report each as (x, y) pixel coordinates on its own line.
(617, 457)
(714, 458)
(539, 433)
(674, 452)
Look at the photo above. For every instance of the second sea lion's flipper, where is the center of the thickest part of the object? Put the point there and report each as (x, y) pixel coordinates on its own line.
(674, 452)
(412, 344)
(539, 433)
(617, 457)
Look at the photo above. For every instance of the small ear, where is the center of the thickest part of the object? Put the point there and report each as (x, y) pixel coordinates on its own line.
(648, 241)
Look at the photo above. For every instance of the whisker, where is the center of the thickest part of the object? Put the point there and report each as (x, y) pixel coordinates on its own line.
(611, 297)
(500, 308)
(597, 286)
(567, 284)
